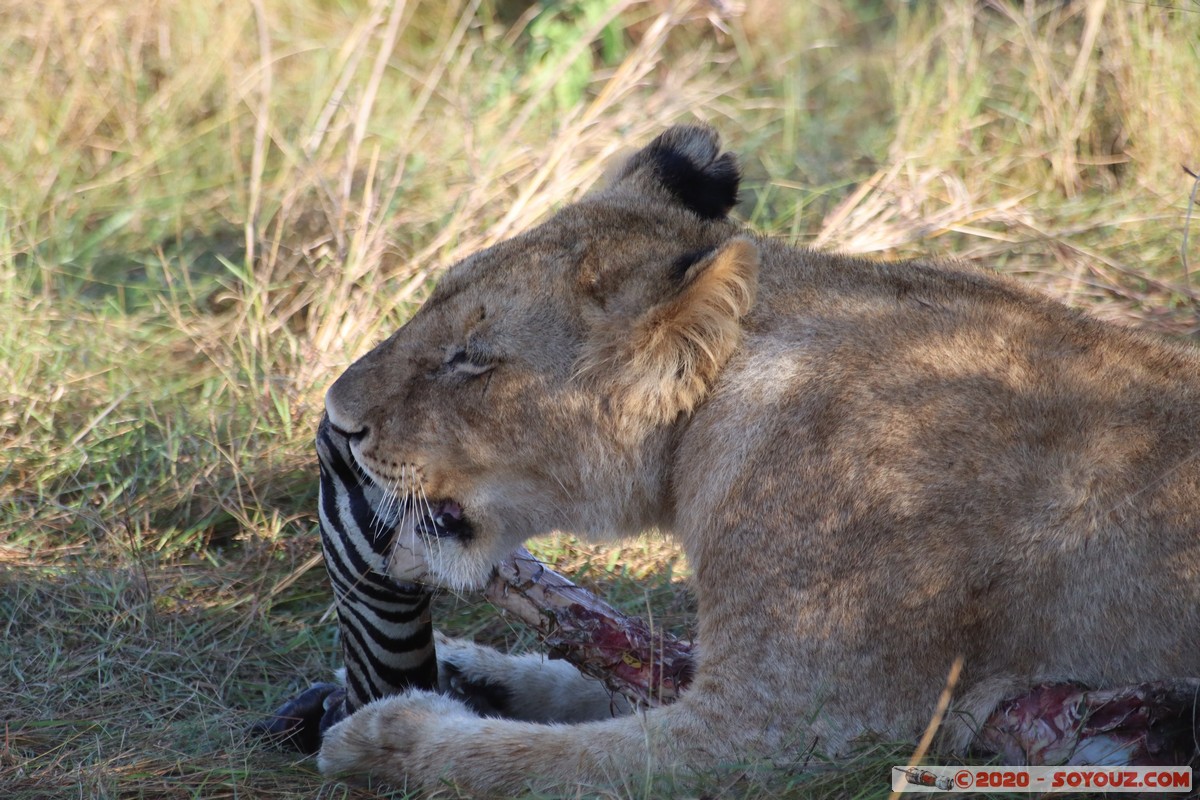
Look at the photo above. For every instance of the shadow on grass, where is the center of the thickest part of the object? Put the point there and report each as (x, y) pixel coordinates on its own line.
(128, 683)
(140, 680)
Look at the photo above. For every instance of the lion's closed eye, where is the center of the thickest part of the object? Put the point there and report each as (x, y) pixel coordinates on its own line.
(468, 363)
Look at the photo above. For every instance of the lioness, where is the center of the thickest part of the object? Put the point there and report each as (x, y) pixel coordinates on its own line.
(874, 468)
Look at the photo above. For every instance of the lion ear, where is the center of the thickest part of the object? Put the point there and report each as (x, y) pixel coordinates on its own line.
(678, 347)
(686, 164)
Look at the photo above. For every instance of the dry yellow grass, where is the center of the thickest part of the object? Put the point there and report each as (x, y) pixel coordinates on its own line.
(209, 208)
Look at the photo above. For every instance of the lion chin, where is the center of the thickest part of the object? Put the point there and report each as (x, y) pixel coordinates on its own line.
(875, 468)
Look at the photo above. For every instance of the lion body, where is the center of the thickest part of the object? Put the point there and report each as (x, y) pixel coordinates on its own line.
(874, 469)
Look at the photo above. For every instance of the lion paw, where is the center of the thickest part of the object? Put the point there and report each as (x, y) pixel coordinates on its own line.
(383, 736)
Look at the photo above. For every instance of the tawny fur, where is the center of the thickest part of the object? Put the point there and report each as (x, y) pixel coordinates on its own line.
(874, 468)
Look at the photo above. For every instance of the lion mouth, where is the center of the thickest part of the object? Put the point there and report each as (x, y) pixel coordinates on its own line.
(441, 519)
(445, 519)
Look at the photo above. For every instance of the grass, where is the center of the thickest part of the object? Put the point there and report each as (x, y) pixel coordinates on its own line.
(208, 209)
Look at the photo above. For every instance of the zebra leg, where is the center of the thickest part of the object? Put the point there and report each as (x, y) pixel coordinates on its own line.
(385, 624)
(528, 687)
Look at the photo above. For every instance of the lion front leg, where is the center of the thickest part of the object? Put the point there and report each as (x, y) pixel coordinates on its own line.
(421, 739)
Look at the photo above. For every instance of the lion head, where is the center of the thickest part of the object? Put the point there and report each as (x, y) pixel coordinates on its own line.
(544, 383)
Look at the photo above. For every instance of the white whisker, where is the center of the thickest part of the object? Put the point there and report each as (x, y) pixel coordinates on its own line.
(437, 541)
(403, 509)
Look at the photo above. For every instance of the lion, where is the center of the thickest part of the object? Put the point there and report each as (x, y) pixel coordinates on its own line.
(874, 468)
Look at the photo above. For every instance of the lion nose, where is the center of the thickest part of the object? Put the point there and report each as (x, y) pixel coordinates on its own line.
(342, 424)
(353, 436)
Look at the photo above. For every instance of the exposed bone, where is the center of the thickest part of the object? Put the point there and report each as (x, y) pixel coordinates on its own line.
(648, 666)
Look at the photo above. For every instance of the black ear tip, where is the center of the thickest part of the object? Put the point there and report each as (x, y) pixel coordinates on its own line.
(700, 144)
(687, 161)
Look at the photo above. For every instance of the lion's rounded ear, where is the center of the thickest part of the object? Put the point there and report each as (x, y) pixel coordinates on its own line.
(679, 346)
(686, 164)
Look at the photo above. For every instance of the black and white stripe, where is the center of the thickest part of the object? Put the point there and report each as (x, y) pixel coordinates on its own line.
(385, 625)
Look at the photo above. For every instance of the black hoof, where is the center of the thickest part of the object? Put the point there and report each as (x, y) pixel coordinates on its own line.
(300, 722)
